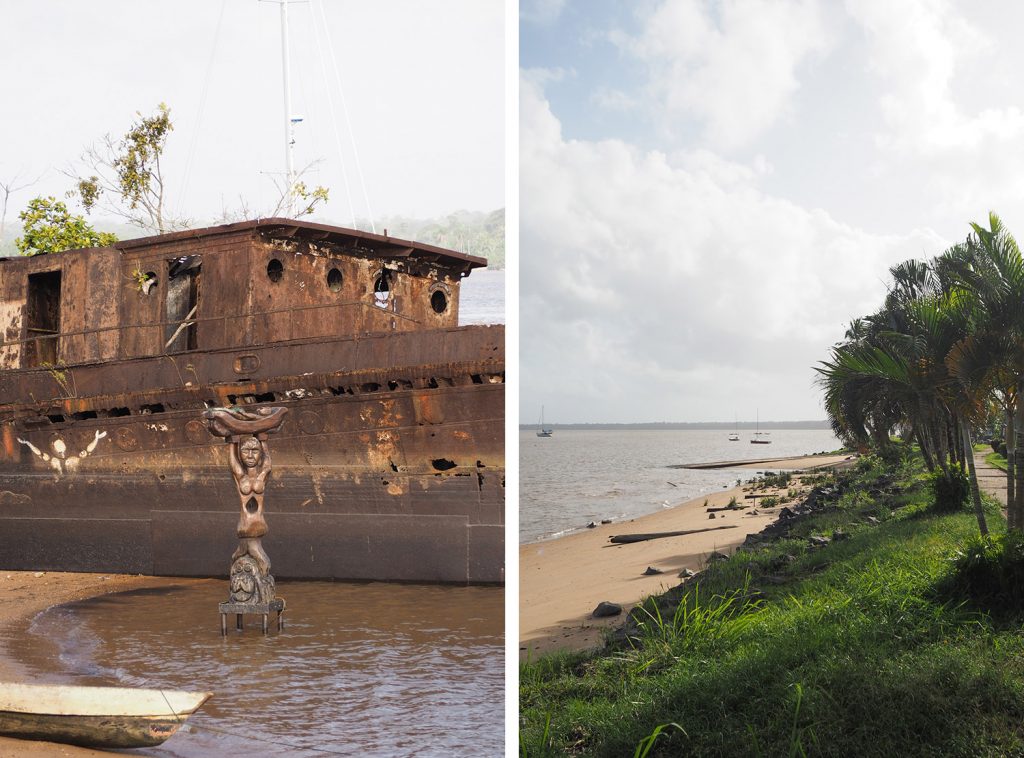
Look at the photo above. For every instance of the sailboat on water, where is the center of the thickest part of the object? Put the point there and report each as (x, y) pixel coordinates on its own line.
(759, 438)
(543, 431)
(735, 436)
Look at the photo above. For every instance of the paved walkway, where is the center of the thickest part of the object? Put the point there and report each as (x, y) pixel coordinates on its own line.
(991, 479)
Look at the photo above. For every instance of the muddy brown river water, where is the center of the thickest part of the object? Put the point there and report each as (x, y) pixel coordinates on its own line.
(359, 669)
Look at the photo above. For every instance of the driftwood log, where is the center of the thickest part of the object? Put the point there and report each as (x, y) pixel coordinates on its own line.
(625, 539)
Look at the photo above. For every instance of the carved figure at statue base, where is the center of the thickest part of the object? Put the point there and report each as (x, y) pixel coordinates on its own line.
(251, 584)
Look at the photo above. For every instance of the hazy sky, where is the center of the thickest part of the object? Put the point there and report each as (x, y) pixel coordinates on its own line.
(711, 191)
(422, 80)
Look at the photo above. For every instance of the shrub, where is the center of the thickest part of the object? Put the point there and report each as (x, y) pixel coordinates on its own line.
(989, 573)
(777, 481)
(950, 489)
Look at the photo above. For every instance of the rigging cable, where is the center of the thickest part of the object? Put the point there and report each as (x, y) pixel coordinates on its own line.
(334, 121)
(202, 107)
(348, 123)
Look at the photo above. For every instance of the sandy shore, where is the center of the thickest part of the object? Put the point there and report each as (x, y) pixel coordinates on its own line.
(561, 581)
(23, 594)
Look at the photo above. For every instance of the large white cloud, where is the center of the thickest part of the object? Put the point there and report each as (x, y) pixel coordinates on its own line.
(915, 54)
(732, 67)
(662, 286)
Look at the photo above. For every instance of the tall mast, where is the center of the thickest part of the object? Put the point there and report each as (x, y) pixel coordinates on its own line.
(289, 124)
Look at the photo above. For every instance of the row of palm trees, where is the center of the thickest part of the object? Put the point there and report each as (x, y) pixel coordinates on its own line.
(943, 351)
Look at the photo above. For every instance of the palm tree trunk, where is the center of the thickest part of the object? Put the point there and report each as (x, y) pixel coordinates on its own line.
(955, 441)
(1018, 456)
(1012, 521)
(922, 443)
(973, 478)
(928, 436)
(942, 445)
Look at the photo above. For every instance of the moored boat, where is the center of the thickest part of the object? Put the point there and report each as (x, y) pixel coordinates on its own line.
(760, 438)
(543, 431)
(100, 717)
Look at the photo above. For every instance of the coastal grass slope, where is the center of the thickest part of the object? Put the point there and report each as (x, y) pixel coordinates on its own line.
(900, 635)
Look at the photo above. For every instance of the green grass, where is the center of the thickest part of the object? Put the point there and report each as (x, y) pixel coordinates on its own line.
(885, 643)
(997, 460)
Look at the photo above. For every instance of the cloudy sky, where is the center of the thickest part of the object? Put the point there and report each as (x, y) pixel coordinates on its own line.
(422, 81)
(711, 190)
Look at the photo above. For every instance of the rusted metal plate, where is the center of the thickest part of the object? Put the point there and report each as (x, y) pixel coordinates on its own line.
(339, 546)
(484, 542)
(439, 355)
(210, 536)
(390, 548)
(81, 544)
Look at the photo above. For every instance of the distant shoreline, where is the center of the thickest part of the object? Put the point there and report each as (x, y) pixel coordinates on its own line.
(696, 425)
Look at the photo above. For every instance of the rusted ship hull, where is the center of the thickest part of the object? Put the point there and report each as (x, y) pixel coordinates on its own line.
(389, 467)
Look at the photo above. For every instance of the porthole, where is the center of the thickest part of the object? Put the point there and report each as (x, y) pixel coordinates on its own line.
(381, 289)
(334, 280)
(439, 301)
(275, 270)
(148, 284)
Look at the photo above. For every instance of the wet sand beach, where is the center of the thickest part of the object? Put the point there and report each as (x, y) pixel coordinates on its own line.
(561, 581)
(23, 594)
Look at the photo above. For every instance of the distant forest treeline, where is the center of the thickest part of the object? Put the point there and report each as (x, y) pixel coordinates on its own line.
(711, 425)
(473, 232)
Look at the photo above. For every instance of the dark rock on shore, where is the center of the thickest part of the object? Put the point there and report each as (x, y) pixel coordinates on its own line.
(605, 609)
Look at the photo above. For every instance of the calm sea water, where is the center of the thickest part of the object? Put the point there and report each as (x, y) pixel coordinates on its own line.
(482, 297)
(359, 669)
(576, 476)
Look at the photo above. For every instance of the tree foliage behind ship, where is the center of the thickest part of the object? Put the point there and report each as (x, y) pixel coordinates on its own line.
(124, 177)
(471, 232)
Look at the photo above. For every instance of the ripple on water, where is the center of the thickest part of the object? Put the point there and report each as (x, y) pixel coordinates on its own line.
(359, 669)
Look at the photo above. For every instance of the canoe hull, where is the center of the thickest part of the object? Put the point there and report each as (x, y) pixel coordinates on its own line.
(100, 717)
(91, 731)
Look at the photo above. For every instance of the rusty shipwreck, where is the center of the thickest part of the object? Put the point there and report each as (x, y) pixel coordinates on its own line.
(390, 465)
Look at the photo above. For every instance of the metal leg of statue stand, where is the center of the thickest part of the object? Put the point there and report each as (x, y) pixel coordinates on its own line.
(252, 588)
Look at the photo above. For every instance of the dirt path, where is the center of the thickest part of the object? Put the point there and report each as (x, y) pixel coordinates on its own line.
(991, 479)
